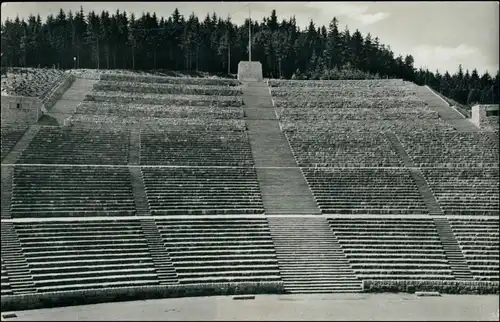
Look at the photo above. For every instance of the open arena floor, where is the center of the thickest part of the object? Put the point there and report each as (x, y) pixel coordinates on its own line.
(311, 307)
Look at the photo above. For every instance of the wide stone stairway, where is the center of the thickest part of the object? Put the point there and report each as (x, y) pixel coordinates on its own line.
(310, 258)
(447, 113)
(284, 189)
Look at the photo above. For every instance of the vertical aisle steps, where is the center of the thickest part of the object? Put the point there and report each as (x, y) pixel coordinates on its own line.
(7, 178)
(161, 258)
(424, 189)
(139, 190)
(447, 113)
(18, 271)
(283, 187)
(309, 257)
(21, 145)
(459, 267)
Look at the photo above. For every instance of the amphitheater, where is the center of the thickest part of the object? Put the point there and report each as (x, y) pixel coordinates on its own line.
(135, 186)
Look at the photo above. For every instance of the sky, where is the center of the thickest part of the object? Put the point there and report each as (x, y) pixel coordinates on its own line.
(439, 35)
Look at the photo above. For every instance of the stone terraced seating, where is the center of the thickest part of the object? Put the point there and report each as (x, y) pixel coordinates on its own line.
(62, 191)
(312, 115)
(351, 92)
(155, 123)
(312, 149)
(365, 83)
(415, 125)
(32, 82)
(220, 250)
(207, 191)
(69, 145)
(9, 138)
(392, 249)
(170, 80)
(158, 88)
(6, 288)
(341, 102)
(66, 256)
(465, 191)
(455, 149)
(159, 111)
(196, 148)
(365, 191)
(478, 239)
(165, 99)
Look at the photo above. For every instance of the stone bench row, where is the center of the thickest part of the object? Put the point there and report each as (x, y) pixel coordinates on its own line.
(479, 242)
(170, 99)
(344, 91)
(159, 111)
(154, 123)
(410, 257)
(339, 102)
(141, 88)
(311, 115)
(170, 80)
(459, 148)
(9, 137)
(397, 126)
(471, 184)
(365, 84)
(343, 149)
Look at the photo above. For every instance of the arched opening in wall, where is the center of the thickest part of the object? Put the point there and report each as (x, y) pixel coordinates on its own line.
(18, 105)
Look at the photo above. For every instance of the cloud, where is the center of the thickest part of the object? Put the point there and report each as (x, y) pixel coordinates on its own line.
(354, 11)
(368, 19)
(441, 53)
(448, 58)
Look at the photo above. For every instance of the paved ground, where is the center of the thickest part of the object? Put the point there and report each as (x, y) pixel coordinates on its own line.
(331, 307)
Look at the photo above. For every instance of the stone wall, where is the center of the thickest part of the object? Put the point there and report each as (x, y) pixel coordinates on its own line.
(250, 71)
(58, 92)
(20, 110)
(481, 119)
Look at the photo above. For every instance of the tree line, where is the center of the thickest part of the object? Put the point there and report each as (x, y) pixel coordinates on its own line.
(216, 45)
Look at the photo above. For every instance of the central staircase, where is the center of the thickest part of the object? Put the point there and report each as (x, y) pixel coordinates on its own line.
(282, 184)
(309, 257)
(454, 255)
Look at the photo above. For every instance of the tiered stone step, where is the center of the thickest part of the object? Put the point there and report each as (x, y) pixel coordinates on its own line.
(21, 144)
(309, 257)
(365, 191)
(196, 148)
(393, 248)
(70, 145)
(6, 288)
(140, 198)
(75, 255)
(478, 240)
(426, 192)
(9, 137)
(51, 191)
(210, 191)
(452, 149)
(330, 149)
(445, 112)
(161, 258)
(465, 191)
(211, 250)
(285, 192)
(14, 264)
(134, 155)
(7, 174)
(456, 259)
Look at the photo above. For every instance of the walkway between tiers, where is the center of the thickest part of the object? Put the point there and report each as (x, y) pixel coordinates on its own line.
(284, 190)
(447, 113)
(66, 106)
